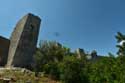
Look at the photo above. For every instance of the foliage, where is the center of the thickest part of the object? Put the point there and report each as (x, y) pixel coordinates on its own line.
(71, 70)
(57, 62)
(101, 71)
(121, 47)
(52, 70)
(49, 52)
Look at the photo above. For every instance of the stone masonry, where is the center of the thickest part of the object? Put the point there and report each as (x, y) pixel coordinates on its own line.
(23, 42)
(4, 47)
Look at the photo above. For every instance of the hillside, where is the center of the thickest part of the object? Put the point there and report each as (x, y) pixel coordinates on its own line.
(21, 75)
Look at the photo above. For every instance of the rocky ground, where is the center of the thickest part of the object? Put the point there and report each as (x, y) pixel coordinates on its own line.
(22, 75)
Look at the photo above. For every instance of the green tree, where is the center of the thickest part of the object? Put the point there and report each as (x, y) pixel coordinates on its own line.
(72, 70)
(52, 70)
(49, 52)
(120, 69)
(121, 47)
(102, 71)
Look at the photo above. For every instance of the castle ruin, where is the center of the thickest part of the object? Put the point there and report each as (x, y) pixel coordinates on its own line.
(19, 49)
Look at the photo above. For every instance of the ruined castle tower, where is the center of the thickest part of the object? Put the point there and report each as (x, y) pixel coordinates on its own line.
(4, 47)
(23, 42)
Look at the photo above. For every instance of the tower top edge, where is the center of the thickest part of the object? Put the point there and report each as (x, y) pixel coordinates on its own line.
(32, 15)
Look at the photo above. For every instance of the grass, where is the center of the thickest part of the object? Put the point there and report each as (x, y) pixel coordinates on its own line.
(23, 76)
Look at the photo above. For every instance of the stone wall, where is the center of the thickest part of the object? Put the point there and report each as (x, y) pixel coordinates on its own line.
(4, 47)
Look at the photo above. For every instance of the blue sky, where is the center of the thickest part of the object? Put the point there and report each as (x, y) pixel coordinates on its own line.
(88, 24)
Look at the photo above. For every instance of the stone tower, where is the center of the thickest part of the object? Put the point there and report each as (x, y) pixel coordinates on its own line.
(23, 42)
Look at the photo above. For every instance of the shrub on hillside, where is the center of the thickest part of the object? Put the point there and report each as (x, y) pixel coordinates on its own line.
(71, 70)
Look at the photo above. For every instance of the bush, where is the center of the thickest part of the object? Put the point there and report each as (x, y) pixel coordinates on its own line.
(71, 71)
(52, 70)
